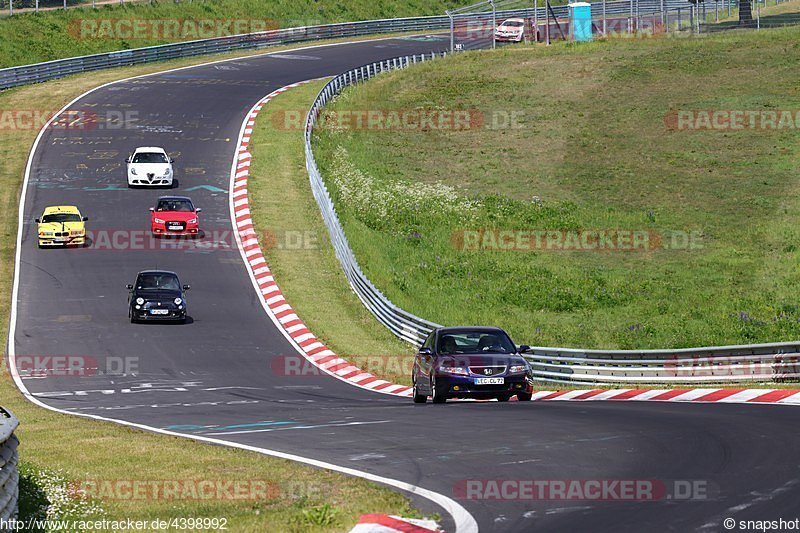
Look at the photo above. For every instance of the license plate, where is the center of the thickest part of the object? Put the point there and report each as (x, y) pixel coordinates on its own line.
(489, 381)
(159, 311)
(175, 227)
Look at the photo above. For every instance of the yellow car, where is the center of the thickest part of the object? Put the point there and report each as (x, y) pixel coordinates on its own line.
(61, 225)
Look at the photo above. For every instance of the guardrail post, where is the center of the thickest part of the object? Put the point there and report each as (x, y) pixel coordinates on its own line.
(9, 468)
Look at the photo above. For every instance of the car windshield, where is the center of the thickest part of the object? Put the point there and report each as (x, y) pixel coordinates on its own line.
(513, 23)
(61, 217)
(158, 281)
(149, 157)
(182, 205)
(475, 342)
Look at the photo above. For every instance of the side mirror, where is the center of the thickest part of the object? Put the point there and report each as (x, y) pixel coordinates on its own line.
(86, 219)
(38, 220)
(198, 210)
(129, 287)
(171, 160)
(524, 348)
(128, 159)
(425, 351)
(152, 209)
(187, 287)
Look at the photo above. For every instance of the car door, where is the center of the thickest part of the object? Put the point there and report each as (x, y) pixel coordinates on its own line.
(424, 361)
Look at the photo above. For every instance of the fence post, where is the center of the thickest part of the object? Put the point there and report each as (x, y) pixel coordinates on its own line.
(494, 22)
(716, 11)
(452, 31)
(536, 20)
(663, 19)
(758, 14)
(605, 21)
(10, 7)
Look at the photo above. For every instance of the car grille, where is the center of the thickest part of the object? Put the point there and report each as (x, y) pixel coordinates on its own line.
(62, 234)
(487, 370)
(150, 175)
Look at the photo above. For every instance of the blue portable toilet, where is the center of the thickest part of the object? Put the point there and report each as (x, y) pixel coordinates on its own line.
(580, 21)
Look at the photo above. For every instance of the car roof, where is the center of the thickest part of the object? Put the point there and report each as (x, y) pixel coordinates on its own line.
(149, 149)
(54, 209)
(174, 198)
(478, 329)
(157, 272)
(512, 20)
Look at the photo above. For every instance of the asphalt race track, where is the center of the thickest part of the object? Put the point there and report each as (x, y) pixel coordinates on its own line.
(217, 375)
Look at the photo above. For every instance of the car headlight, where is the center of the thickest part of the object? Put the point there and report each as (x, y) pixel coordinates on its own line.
(516, 369)
(460, 370)
(140, 301)
(178, 301)
(158, 220)
(45, 233)
(192, 221)
(133, 170)
(168, 172)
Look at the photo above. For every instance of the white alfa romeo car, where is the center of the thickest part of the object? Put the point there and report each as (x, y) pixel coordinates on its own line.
(149, 166)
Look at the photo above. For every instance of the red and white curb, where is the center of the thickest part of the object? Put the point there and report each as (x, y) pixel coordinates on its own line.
(381, 523)
(763, 396)
(282, 313)
(322, 357)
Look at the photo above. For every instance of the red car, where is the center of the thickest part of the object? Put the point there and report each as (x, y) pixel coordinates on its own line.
(174, 215)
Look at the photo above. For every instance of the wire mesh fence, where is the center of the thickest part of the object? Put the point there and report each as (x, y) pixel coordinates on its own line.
(492, 23)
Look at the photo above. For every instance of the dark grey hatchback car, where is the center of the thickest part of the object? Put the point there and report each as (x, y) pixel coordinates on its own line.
(157, 295)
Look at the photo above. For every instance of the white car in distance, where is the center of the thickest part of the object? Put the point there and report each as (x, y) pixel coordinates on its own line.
(510, 30)
(149, 166)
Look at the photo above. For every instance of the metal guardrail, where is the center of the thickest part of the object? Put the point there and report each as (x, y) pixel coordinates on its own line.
(9, 473)
(716, 364)
(39, 72)
(403, 324)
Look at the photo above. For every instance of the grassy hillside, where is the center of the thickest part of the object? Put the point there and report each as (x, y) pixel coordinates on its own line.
(596, 149)
(29, 37)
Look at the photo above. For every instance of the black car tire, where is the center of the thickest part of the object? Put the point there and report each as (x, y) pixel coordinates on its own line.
(418, 398)
(437, 395)
(131, 317)
(524, 396)
(503, 398)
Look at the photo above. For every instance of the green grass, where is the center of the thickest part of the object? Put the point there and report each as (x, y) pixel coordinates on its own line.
(311, 277)
(30, 37)
(595, 152)
(76, 449)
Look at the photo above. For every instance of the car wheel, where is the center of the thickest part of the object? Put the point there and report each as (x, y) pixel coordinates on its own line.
(131, 317)
(437, 396)
(503, 398)
(418, 398)
(524, 396)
